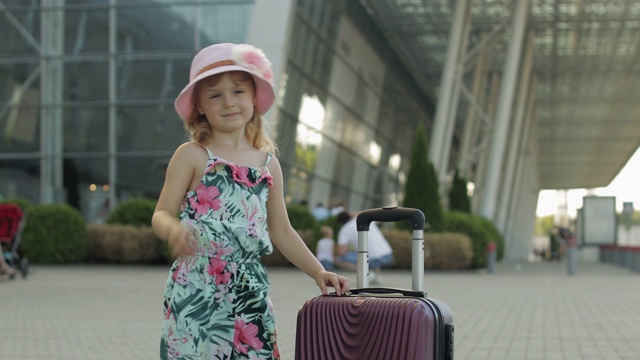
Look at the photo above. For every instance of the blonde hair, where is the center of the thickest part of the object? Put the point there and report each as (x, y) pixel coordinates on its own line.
(326, 231)
(198, 126)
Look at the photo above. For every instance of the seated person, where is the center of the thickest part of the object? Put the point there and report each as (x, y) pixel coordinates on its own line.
(380, 252)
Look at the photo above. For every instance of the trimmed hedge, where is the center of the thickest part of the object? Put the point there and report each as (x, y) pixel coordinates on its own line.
(443, 251)
(54, 234)
(136, 212)
(125, 244)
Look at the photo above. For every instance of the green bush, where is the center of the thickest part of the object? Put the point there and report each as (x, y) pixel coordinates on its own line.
(54, 234)
(136, 212)
(460, 222)
(458, 197)
(22, 203)
(300, 217)
(493, 234)
(277, 259)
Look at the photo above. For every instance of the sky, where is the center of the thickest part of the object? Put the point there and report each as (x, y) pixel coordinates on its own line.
(625, 187)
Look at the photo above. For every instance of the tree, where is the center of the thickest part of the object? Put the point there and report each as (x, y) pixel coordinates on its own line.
(458, 198)
(544, 225)
(421, 189)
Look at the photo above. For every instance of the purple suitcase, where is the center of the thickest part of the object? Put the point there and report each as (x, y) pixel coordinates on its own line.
(378, 323)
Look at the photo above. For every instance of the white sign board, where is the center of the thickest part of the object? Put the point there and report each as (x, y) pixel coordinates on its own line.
(598, 220)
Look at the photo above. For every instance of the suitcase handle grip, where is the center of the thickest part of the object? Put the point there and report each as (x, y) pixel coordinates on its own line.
(412, 293)
(390, 214)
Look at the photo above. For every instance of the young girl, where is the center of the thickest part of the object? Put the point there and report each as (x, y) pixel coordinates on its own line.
(325, 248)
(221, 207)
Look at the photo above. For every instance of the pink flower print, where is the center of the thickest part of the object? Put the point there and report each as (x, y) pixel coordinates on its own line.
(207, 199)
(180, 275)
(244, 336)
(276, 350)
(216, 266)
(172, 352)
(223, 294)
(222, 351)
(252, 229)
(167, 314)
(223, 278)
(216, 269)
(227, 250)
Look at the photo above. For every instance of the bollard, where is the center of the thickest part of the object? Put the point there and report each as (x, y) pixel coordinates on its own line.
(572, 255)
(491, 258)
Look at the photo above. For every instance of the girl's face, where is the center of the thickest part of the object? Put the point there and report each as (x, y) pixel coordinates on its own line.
(227, 101)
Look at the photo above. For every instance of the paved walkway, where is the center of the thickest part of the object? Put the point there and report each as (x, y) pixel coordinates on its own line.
(523, 311)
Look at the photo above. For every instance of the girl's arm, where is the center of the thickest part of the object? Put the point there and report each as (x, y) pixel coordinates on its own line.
(289, 242)
(178, 178)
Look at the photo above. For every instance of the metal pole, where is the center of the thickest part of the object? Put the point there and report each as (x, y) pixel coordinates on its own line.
(517, 136)
(113, 164)
(490, 193)
(51, 88)
(447, 83)
(491, 258)
(471, 126)
(572, 255)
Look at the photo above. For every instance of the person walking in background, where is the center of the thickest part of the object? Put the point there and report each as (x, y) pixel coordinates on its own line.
(337, 209)
(320, 212)
(380, 252)
(219, 188)
(325, 249)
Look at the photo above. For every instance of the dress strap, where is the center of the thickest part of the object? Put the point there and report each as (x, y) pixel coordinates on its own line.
(208, 151)
(269, 156)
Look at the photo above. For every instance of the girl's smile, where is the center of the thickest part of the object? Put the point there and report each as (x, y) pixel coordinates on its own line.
(227, 102)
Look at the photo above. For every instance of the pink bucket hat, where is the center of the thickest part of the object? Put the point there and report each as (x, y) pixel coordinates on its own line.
(219, 58)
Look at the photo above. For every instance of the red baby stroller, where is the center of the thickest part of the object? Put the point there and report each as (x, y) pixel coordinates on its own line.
(11, 224)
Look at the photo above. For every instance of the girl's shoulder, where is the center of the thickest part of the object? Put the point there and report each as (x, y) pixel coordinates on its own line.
(191, 147)
(190, 151)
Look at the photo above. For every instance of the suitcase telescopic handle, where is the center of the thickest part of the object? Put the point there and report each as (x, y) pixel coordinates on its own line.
(391, 214)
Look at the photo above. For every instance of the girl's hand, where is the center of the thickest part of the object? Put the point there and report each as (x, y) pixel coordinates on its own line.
(180, 242)
(325, 278)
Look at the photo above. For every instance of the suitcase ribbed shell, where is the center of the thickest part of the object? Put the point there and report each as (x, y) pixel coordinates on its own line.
(363, 327)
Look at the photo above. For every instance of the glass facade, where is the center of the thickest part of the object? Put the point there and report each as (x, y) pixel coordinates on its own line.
(87, 90)
(349, 110)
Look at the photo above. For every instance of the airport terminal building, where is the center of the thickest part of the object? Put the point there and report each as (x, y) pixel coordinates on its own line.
(520, 96)
(88, 88)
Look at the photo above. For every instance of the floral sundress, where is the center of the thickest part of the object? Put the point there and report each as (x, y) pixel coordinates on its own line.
(216, 302)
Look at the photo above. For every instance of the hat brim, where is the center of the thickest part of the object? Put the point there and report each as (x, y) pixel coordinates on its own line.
(264, 94)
